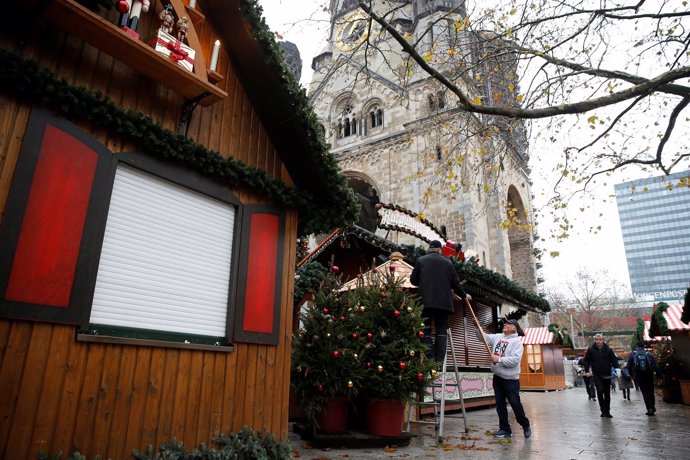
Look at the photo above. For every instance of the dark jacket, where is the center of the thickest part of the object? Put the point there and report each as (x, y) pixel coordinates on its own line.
(436, 278)
(600, 360)
(631, 363)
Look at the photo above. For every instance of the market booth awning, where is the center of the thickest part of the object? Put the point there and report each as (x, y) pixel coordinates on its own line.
(537, 336)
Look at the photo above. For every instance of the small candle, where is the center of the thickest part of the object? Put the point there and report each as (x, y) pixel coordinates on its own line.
(192, 3)
(214, 55)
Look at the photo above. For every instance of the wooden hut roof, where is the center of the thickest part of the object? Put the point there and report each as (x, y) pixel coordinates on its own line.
(402, 272)
(537, 336)
(672, 316)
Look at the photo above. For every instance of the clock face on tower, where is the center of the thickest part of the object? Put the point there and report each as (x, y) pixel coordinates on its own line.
(351, 31)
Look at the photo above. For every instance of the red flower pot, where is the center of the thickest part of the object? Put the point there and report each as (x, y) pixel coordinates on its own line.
(385, 417)
(333, 418)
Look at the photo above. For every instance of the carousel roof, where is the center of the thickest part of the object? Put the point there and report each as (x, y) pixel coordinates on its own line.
(537, 336)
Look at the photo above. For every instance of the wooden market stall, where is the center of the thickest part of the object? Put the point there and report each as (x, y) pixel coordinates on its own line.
(153, 175)
(542, 362)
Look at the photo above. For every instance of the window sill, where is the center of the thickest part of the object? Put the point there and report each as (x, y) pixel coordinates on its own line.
(152, 343)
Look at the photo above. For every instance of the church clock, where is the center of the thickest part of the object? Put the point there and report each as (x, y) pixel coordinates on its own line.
(351, 31)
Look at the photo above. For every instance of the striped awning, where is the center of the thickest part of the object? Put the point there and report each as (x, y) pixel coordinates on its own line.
(672, 316)
(537, 336)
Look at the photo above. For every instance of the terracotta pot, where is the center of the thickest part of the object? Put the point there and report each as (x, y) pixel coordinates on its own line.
(685, 391)
(385, 417)
(333, 418)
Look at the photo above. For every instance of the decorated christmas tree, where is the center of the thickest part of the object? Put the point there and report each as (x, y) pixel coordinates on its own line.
(366, 340)
(393, 350)
(324, 359)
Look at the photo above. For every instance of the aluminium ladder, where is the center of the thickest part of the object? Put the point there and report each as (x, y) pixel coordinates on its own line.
(440, 405)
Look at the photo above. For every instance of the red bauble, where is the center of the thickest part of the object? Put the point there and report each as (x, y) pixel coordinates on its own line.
(320, 388)
(402, 365)
(396, 313)
(324, 311)
(420, 376)
(420, 334)
(336, 354)
(355, 336)
(342, 318)
(370, 336)
(122, 7)
(335, 269)
(369, 365)
(384, 295)
(391, 268)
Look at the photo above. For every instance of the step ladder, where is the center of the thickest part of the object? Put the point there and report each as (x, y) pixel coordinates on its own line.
(439, 405)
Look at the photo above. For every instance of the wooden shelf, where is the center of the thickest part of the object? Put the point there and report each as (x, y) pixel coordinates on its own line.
(196, 16)
(95, 30)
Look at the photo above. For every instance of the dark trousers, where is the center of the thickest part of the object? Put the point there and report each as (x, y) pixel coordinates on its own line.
(440, 342)
(603, 387)
(508, 390)
(589, 385)
(647, 388)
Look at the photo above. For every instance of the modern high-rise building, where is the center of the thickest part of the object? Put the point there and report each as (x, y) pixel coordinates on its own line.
(655, 221)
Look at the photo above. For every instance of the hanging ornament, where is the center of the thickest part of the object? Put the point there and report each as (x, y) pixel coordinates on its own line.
(379, 368)
(355, 336)
(362, 308)
(370, 336)
(422, 325)
(342, 318)
(335, 269)
(369, 365)
(122, 7)
(299, 369)
(402, 365)
(384, 295)
(320, 388)
(335, 354)
(420, 376)
(391, 268)
(420, 334)
(356, 356)
(328, 334)
(349, 384)
(396, 313)
(409, 309)
(324, 311)
(433, 372)
(412, 353)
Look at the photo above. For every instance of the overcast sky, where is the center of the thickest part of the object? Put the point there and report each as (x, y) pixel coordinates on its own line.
(583, 249)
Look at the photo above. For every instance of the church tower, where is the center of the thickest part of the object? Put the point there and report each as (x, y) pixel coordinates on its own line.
(401, 138)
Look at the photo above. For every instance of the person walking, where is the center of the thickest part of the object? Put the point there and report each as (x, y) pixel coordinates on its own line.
(601, 359)
(436, 278)
(589, 383)
(625, 382)
(643, 366)
(505, 358)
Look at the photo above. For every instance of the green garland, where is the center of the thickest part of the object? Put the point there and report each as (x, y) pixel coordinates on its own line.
(560, 335)
(308, 278)
(24, 79)
(638, 335)
(658, 317)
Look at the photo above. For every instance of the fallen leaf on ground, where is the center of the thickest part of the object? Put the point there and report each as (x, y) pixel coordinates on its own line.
(633, 438)
(470, 438)
(471, 447)
(447, 447)
(389, 449)
(505, 441)
(490, 432)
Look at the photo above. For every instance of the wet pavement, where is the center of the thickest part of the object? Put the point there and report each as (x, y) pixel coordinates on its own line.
(565, 425)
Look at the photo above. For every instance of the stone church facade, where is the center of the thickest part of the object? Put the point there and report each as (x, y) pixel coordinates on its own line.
(400, 137)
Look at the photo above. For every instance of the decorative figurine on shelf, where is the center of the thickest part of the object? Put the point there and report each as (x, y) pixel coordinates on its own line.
(129, 19)
(182, 28)
(167, 19)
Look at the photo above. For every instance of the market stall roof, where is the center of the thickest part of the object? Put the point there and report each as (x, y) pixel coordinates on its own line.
(401, 270)
(537, 336)
(672, 316)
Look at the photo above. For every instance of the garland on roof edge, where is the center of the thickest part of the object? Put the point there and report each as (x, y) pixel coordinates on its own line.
(25, 79)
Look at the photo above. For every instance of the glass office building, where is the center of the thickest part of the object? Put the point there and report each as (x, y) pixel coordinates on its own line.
(655, 221)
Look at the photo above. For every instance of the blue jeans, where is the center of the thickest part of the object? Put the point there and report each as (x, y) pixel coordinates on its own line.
(510, 390)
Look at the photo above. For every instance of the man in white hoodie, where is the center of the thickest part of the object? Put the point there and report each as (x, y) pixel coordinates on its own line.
(506, 354)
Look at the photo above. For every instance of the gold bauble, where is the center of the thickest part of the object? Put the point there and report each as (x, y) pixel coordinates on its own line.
(409, 309)
(379, 368)
(433, 372)
(349, 383)
(412, 353)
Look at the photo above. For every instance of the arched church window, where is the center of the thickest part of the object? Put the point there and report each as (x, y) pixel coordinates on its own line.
(346, 126)
(376, 117)
(379, 117)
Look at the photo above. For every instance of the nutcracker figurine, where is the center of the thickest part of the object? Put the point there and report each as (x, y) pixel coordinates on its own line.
(167, 19)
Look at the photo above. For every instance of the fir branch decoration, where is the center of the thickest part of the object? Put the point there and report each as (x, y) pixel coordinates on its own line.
(638, 335)
(658, 317)
(25, 79)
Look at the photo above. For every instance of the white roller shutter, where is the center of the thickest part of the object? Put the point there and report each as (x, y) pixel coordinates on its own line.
(166, 257)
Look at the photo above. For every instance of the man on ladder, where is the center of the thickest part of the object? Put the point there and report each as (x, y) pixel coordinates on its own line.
(436, 278)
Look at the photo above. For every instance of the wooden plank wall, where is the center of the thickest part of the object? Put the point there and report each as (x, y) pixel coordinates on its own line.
(60, 394)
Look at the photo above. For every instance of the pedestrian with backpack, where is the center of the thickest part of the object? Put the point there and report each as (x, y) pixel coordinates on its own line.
(643, 366)
(601, 359)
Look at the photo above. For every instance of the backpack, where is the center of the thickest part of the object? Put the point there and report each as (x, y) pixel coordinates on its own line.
(642, 364)
(625, 374)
